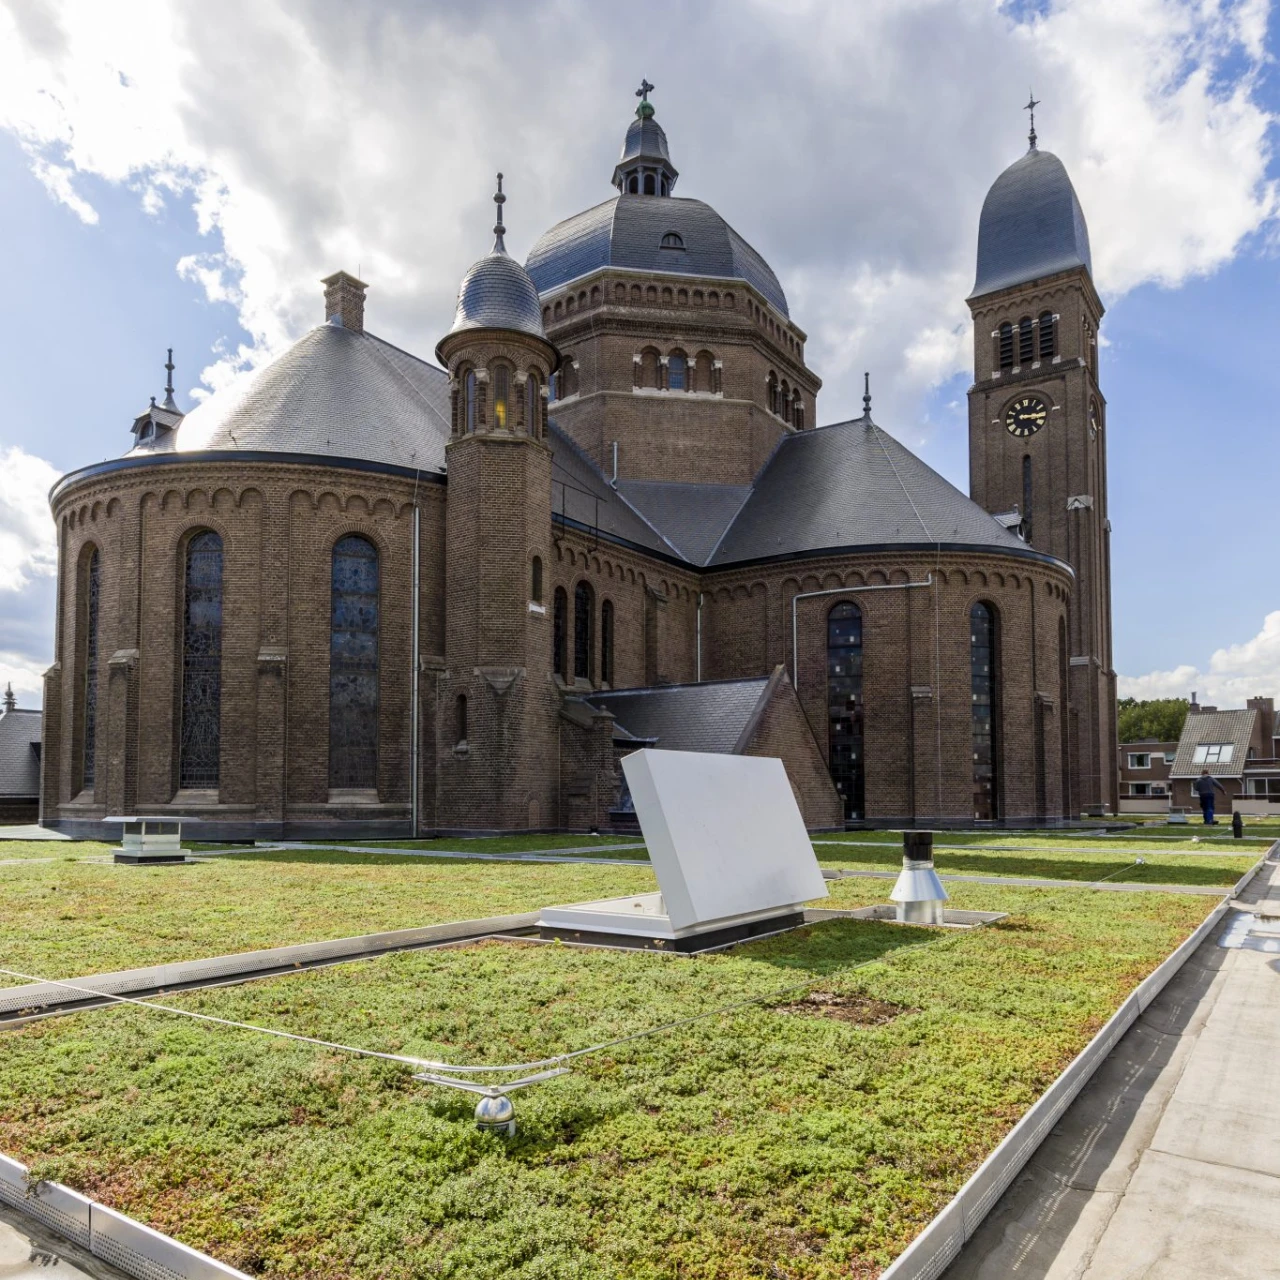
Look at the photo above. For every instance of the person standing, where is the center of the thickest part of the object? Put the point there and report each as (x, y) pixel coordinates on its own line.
(1203, 787)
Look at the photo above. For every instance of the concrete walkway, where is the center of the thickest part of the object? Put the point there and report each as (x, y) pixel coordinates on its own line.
(31, 832)
(1167, 1166)
(29, 1251)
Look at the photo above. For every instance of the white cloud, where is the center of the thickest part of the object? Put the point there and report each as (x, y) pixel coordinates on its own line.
(24, 677)
(851, 144)
(1239, 671)
(28, 539)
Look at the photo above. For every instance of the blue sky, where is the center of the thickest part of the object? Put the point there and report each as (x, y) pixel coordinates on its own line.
(167, 178)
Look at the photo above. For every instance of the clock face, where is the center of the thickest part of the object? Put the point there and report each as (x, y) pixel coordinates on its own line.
(1025, 416)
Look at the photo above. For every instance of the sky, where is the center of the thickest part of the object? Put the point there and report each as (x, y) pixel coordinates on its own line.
(182, 174)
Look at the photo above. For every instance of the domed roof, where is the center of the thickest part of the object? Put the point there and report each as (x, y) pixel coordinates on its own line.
(497, 292)
(1031, 225)
(629, 230)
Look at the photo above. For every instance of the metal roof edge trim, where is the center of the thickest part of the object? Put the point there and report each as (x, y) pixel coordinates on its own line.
(865, 547)
(684, 684)
(73, 478)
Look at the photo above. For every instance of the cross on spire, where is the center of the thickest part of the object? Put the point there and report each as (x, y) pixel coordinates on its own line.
(498, 229)
(645, 110)
(866, 395)
(1032, 104)
(645, 90)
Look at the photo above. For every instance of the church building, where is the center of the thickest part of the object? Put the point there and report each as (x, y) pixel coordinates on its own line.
(364, 593)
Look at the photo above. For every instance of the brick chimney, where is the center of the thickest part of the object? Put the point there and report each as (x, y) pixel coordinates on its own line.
(344, 301)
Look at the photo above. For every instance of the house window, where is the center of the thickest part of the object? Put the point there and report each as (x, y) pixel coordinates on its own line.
(606, 642)
(1266, 788)
(200, 738)
(1139, 788)
(583, 625)
(353, 665)
(1139, 760)
(673, 240)
(1214, 753)
(984, 686)
(93, 594)
(844, 707)
(1170, 757)
(560, 634)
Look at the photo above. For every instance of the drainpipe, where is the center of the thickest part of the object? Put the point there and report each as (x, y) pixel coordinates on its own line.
(414, 730)
(614, 481)
(838, 591)
(697, 669)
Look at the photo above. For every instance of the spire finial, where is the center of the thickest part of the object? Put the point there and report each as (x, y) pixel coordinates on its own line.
(1032, 104)
(866, 395)
(498, 229)
(645, 109)
(169, 401)
(10, 702)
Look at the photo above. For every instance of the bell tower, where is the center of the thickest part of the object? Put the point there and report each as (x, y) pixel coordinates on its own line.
(1037, 438)
(496, 701)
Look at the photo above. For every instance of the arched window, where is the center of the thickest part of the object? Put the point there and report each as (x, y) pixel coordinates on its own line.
(784, 402)
(705, 375)
(649, 367)
(1026, 348)
(677, 372)
(1026, 496)
(650, 187)
(460, 719)
(568, 378)
(606, 642)
(985, 692)
(797, 411)
(1048, 336)
(772, 386)
(501, 397)
(1063, 730)
(673, 240)
(620, 293)
(535, 580)
(844, 707)
(1006, 345)
(583, 630)
(353, 665)
(633, 184)
(91, 595)
(560, 634)
(470, 397)
(635, 294)
(200, 736)
(533, 406)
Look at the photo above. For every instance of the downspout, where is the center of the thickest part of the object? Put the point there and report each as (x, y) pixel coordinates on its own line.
(838, 591)
(414, 729)
(697, 666)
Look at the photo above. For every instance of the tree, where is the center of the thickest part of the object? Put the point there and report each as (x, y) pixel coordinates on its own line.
(1159, 718)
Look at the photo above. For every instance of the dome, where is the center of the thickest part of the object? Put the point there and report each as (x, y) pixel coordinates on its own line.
(1031, 226)
(629, 230)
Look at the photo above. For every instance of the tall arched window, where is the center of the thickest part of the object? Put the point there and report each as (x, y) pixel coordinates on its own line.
(568, 378)
(1026, 347)
(460, 719)
(532, 406)
(470, 396)
(606, 642)
(772, 388)
(92, 597)
(501, 397)
(844, 707)
(677, 372)
(633, 184)
(1006, 345)
(560, 634)
(1048, 336)
(1063, 722)
(649, 367)
(985, 693)
(583, 630)
(784, 402)
(535, 580)
(705, 375)
(797, 411)
(353, 665)
(200, 740)
(650, 187)
(1027, 496)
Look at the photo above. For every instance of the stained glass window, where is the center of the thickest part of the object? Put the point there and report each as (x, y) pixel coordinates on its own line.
(532, 404)
(677, 372)
(501, 393)
(582, 630)
(469, 386)
(93, 591)
(201, 734)
(560, 634)
(606, 642)
(353, 666)
(985, 691)
(844, 707)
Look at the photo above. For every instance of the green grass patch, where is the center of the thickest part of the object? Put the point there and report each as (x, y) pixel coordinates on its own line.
(73, 917)
(777, 1140)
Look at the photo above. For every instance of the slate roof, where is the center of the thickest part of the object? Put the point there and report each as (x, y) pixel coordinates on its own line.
(692, 517)
(497, 293)
(1235, 727)
(849, 484)
(627, 232)
(20, 737)
(335, 393)
(710, 716)
(1031, 225)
